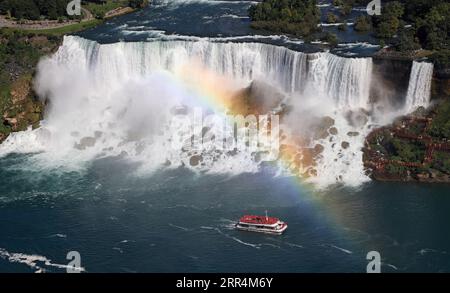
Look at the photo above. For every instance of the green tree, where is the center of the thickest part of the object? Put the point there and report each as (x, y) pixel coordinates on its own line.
(362, 24)
(332, 18)
(407, 41)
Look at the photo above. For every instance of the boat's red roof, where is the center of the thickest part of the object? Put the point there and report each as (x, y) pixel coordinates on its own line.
(258, 220)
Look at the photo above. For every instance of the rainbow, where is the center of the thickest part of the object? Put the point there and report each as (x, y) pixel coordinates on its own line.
(215, 92)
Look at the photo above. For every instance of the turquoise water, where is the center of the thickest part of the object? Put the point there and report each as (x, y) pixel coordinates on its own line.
(177, 221)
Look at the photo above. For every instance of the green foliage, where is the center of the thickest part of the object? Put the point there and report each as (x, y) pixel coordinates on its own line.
(362, 24)
(408, 151)
(99, 9)
(297, 17)
(387, 24)
(332, 18)
(430, 26)
(395, 169)
(34, 9)
(137, 3)
(440, 126)
(441, 162)
(56, 9)
(435, 29)
(346, 9)
(407, 41)
(343, 27)
(19, 53)
(441, 59)
(330, 38)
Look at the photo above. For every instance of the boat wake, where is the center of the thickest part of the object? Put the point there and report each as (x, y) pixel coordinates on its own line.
(38, 263)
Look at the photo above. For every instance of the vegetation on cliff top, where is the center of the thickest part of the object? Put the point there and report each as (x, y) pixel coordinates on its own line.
(296, 17)
(56, 9)
(408, 25)
(413, 148)
(21, 49)
(19, 54)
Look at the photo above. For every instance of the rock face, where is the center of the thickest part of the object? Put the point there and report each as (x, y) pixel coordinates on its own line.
(23, 108)
(345, 144)
(390, 79)
(19, 106)
(413, 148)
(323, 128)
(258, 98)
(440, 86)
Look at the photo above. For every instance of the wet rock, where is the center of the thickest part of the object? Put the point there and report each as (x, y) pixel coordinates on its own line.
(318, 149)
(357, 118)
(195, 160)
(85, 142)
(258, 98)
(320, 130)
(333, 130)
(352, 133)
(345, 145)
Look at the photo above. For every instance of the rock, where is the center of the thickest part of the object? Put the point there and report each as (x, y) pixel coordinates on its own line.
(357, 118)
(333, 130)
(258, 98)
(352, 133)
(320, 130)
(11, 121)
(422, 176)
(85, 142)
(345, 144)
(194, 160)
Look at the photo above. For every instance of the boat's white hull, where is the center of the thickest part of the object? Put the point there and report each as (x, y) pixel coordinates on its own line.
(262, 230)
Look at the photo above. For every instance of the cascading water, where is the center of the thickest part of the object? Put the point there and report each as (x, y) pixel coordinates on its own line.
(116, 100)
(419, 86)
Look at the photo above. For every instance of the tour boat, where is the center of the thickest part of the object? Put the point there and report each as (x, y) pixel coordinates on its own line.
(261, 224)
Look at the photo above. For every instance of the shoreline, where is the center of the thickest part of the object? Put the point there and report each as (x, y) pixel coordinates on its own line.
(20, 108)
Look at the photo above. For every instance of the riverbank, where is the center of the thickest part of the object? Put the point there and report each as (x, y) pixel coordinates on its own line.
(20, 52)
(414, 148)
(21, 47)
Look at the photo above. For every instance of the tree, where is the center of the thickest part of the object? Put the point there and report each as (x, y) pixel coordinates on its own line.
(136, 3)
(331, 39)
(407, 41)
(388, 23)
(343, 27)
(296, 17)
(331, 17)
(362, 24)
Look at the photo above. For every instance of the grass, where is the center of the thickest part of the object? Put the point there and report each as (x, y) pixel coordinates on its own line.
(69, 29)
(99, 10)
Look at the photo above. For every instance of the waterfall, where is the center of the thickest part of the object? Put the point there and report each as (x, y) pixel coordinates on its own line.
(419, 86)
(115, 100)
(344, 80)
